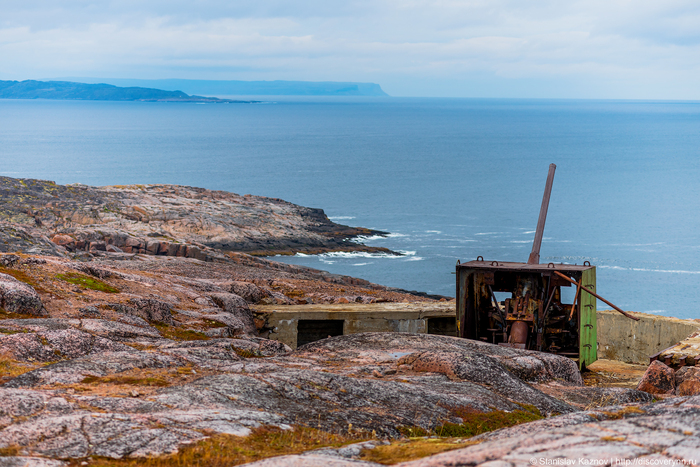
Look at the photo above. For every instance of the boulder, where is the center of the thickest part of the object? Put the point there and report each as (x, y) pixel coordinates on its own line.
(658, 379)
(63, 240)
(54, 345)
(250, 292)
(152, 310)
(9, 261)
(688, 381)
(18, 297)
(235, 305)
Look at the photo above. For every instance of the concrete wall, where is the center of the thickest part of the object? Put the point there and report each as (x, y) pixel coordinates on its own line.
(619, 338)
(379, 317)
(626, 340)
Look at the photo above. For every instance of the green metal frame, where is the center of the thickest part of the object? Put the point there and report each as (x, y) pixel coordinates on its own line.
(588, 329)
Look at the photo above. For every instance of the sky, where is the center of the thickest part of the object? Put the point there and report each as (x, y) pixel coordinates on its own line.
(610, 49)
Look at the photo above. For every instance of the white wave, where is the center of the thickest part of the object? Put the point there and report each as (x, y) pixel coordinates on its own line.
(414, 258)
(520, 241)
(407, 253)
(488, 233)
(666, 271)
(341, 218)
(300, 255)
(360, 264)
(638, 244)
(396, 235)
(367, 238)
(530, 232)
(433, 231)
(357, 254)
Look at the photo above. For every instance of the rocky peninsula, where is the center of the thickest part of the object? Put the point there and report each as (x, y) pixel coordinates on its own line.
(68, 90)
(128, 337)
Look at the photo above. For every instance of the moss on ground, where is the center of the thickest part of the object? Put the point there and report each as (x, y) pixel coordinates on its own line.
(447, 435)
(86, 282)
(475, 423)
(179, 334)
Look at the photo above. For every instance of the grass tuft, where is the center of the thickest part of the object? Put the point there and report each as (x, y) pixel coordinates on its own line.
(622, 412)
(179, 334)
(11, 368)
(223, 450)
(86, 282)
(411, 449)
(126, 380)
(23, 277)
(475, 423)
(448, 436)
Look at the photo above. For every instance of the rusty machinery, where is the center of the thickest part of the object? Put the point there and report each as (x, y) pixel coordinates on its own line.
(534, 317)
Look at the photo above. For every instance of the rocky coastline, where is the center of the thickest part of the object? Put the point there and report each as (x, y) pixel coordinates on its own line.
(127, 337)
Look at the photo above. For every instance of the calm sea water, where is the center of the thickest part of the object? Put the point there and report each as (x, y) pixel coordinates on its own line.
(449, 178)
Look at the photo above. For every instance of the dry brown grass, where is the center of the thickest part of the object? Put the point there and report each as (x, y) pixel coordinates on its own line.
(621, 413)
(226, 450)
(412, 449)
(448, 436)
(143, 381)
(11, 368)
(22, 276)
(179, 334)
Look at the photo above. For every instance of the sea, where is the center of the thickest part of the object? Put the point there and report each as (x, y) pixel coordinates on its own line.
(447, 179)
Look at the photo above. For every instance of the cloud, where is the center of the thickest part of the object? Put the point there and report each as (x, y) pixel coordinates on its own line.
(594, 48)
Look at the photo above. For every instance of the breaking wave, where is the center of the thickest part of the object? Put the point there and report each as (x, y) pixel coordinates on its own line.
(666, 271)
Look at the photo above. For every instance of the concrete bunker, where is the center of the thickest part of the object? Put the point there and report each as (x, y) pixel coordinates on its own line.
(296, 325)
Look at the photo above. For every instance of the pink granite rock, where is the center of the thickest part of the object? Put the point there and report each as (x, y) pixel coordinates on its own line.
(658, 379)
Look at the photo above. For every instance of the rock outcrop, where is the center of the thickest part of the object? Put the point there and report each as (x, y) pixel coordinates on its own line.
(18, 297)
(375, 382)
(166, 220)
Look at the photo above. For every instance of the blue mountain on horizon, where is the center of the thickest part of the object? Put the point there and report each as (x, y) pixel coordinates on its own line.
(225, 88)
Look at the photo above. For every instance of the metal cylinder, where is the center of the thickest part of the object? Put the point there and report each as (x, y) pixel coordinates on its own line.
(518, 332)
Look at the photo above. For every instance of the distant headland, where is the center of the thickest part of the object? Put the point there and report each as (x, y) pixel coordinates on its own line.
(67, 90)
(226, 88)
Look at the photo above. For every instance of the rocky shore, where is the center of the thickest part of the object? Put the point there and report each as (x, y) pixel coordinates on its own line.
(39, 216)
(127, 338)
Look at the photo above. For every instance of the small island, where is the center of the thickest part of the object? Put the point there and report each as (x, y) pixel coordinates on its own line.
(67, 90)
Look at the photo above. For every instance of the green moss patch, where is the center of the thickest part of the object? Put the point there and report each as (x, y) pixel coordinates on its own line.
(86, 282)
(179, 334)
(475, 423)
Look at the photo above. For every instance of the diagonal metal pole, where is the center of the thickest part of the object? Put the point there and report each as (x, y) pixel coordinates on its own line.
(537, 243)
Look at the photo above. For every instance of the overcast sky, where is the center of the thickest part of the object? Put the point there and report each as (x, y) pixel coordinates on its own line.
(638, 49)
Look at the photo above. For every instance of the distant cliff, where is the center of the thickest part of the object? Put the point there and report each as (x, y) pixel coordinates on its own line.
(250, 88)
(31, 89)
